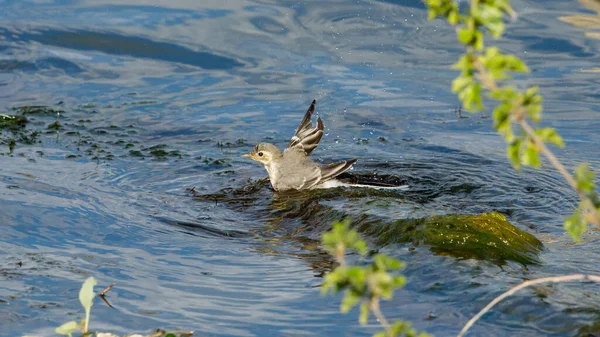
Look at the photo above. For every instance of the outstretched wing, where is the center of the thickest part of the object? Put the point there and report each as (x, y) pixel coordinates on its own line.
(307, 137)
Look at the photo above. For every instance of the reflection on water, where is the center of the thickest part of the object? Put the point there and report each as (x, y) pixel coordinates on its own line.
(157, 99)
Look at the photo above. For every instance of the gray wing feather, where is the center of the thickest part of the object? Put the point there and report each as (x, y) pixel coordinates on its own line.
(324, 173)
(307, 137)
(333, 170)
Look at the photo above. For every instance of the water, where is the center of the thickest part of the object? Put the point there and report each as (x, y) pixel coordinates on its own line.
(137, 79)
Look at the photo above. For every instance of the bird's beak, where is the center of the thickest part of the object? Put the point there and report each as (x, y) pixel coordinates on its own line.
(247, 155)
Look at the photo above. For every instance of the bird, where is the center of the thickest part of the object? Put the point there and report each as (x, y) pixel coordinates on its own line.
(293, 169)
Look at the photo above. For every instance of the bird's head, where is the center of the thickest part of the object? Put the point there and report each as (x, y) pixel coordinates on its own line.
(264, 153)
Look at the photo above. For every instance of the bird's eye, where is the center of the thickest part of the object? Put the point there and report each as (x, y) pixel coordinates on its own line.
(260, 154)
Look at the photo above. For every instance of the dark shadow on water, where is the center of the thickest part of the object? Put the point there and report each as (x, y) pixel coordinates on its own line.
(117, 44)
(196, 229)
(41, 64)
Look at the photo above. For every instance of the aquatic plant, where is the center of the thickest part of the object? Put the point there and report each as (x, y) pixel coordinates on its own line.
(518, 111)
(86, 298)
(365, 285)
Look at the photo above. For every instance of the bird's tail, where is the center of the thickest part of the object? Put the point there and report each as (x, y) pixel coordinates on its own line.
(338, 183)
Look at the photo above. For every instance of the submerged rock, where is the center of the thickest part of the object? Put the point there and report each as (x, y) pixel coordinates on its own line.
(488, 236)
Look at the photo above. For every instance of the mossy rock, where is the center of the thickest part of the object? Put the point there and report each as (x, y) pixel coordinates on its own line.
(487, 236)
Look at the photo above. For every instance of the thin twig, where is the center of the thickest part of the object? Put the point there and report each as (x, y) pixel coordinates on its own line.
(382, 320)
(103, 292)
(554, 279)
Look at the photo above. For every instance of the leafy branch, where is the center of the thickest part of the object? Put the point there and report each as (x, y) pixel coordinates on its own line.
(364, 285)
(482, 69)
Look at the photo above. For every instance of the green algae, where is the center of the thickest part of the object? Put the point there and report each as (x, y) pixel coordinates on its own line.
(12, 122)
(37, 110)
(488, 236)
(28, 125)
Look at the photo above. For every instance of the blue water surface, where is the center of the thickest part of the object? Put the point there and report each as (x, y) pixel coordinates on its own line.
(208, 80)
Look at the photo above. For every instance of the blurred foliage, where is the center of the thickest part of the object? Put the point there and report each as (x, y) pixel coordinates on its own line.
(516, 111)
(364, 285)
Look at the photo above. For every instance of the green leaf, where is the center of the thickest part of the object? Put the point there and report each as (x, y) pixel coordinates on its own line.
(335, 280)
(461, 82)
(350, 299)
(531, 102)
(534, 111)
(399, 281)
(380, 283)
(491, 52)
(381, 334)
(361, 246)
(399, 327)
(463, 63)
(514, 151)
(515, 64)
(364, 313)
(67, 328)
(584, 178)
(432, 14)
(465, 35)
(498, 74)
(551, 136)
(531, 155)
(357, 277)
(478, 44)
(531, 91)
(453, 17)
(496, 28)
(86, 297)
(384, 262)
(574, 225)
(470, 96)
(501, 117)
(486, 13)
(341, 236)
(506, 93)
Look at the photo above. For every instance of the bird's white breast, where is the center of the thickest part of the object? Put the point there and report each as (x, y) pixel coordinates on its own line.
(273, 173)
